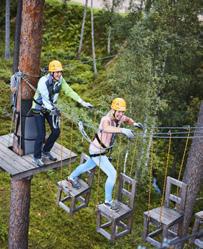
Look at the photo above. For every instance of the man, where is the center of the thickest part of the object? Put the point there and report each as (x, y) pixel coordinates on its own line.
(43, 107)
(109, 125)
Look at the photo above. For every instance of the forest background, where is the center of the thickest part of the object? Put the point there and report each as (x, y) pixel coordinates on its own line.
(154, 62)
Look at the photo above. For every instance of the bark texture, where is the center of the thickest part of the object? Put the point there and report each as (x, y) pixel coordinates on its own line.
(19, 214)
(193, 175)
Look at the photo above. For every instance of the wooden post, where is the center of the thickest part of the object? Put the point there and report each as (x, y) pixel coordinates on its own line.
(19, 214)
(193, 175)
(29, 64)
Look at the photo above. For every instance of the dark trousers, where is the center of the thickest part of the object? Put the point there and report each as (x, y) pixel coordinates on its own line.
(41, 132)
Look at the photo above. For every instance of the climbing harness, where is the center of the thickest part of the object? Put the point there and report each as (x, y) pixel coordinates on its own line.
(87, 138)
(23, 76)
(83, 132)
(15, 82)
(56, 121)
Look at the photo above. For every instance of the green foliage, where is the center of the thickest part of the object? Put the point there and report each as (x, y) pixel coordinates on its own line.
(62, 31)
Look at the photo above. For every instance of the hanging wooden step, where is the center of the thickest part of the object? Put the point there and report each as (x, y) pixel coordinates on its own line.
(71, 199)
(164, 218)
(198, 226)
(115, 224)
(20, 167)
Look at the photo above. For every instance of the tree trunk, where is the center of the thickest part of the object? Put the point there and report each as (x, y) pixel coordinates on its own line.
(82, 29)
(17, 36)
(114, 4)
(19, 214)
(29, 65)
(193, 175)
(93, 46)
(7, 30)
(30, 43)
(109, 41)
(30, 48)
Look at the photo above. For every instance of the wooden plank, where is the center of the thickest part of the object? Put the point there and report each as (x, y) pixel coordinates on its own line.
(5, 166)
(29, 157)
(22, 167)
(7, 139)
(107, 212)
(13, 159)
(68, 189)
(175, 198)
(163, 215)
(174, 181)
(57, 150)
(153, 242)
(45, 168)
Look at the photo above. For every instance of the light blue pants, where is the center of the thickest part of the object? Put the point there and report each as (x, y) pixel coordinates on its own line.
(105, 165)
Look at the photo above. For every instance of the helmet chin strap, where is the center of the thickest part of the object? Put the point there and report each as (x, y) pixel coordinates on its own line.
(52, 74)
(116, 120)
(114, 114)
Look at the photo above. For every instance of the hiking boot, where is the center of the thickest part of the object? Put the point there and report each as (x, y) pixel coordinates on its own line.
(74, 183)
(38, 161)
(113, 205)
(49, 156)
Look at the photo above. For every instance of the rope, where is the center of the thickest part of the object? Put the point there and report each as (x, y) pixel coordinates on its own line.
(157, 135)
(165, 175)
(61, 139)
(176, 127)
(118, 157)
(183, 159)
(98, 181)
(133, 156)
(71, 143)
(150, 178)
(94, 120)
(126, 158)
(82, 131)
(172, 137)
(184, 154)
(117, 163)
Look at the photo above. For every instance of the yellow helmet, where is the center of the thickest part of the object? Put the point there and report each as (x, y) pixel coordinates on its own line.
(118, 104)
(55, 66)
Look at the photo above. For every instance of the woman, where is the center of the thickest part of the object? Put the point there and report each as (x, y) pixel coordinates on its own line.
(109, 125)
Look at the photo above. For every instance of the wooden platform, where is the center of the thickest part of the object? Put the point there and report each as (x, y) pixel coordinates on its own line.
(22, 166)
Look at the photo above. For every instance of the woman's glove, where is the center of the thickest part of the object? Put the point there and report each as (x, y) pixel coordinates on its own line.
(138, 125)
(127, 132)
